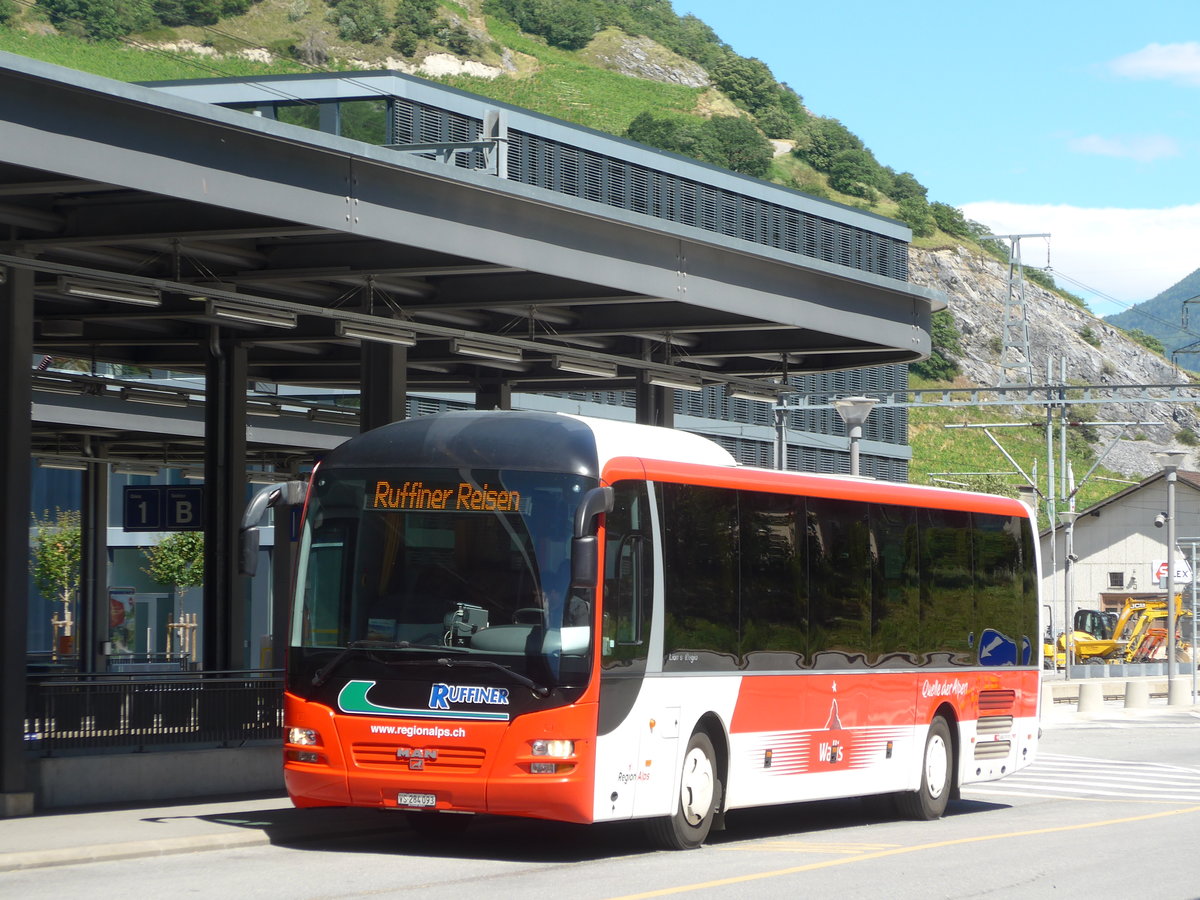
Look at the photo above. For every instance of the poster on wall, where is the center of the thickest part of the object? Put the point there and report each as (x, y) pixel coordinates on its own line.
(121, 621)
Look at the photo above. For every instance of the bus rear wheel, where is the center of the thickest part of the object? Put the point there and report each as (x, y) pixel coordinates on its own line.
(937, 770)
(697, 803)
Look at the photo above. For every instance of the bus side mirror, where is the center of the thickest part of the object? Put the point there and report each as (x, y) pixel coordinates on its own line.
(585, 553)
(585, 558)
(248, 551)
(290, 493)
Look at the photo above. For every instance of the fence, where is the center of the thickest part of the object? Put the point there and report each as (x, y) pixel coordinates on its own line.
(137, 712)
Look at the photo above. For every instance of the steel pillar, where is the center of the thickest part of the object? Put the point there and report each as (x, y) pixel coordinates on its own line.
(384, 383)
(93, 612)
(16, 395)
(223, 642)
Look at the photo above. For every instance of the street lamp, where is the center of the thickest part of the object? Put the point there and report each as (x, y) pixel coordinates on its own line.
(1067, 517)
(854, 412)
(1170, 462)
(1193, 541)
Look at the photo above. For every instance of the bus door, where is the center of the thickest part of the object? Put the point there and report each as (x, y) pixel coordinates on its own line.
(629, 729)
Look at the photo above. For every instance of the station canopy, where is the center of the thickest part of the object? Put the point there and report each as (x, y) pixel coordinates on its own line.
(493, 245)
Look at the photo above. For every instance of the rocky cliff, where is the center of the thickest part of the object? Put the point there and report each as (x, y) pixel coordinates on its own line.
(1096, 353)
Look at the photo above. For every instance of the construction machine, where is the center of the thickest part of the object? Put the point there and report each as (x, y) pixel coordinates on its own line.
(1134, 636)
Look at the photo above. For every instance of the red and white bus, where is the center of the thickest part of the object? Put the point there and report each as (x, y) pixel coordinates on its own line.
(543, 615)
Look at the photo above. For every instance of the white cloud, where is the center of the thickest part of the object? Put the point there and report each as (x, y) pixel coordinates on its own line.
(1130, 255)
(1170, 62)
(1143, 148)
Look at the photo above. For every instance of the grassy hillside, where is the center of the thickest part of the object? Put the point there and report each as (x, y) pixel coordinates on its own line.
(967, 458)
(567, 84)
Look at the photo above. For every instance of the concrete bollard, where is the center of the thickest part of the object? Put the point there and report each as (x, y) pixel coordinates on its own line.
(1137, 694)
(1179, 692)
(1047, 696)
(1091, 696)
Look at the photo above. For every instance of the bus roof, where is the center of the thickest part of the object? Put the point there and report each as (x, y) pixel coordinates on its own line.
(560, 442)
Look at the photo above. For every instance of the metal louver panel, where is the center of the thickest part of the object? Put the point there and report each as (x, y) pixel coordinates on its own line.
(558, 167)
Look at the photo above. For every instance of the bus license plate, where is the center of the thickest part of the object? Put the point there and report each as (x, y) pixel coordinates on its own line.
(419, 801)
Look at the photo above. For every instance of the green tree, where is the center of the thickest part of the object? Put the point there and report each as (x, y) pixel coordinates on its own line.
(569, 24)
(945, 344)
(360, 20)
(655, 131)
(8, 11)
(905, 186)
(734, 142)
(728, 141)
(56, 556)
(99, 19)
(823, 141)
(950, 219)
(177, 561)
(188, 12)
(416, 20)
(855, 172)
(747, 81)
(915, 213)
(777, 122)
(455, 37)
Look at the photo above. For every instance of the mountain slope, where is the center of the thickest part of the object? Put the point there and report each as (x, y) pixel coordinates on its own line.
(1160, 317)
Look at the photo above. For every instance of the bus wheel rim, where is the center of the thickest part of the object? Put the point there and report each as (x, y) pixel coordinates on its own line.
(936, 766)
(696, 790)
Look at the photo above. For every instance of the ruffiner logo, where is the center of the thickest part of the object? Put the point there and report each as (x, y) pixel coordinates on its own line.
(943, 688)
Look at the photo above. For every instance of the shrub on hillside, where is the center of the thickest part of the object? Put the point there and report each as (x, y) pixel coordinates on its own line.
(950, 219)
(8, 11)
(904, 186)
(360, 20)
(99, 19)
(747, 82)
(854, 172)
(736, 144)
(915, 213)
(945, 344)
(568, 24)
(823, 140)
(1149, 341)
(416, 20)
(728, 141)
(188, 12)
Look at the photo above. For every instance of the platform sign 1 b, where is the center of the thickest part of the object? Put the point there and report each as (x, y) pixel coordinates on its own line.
(162, 507)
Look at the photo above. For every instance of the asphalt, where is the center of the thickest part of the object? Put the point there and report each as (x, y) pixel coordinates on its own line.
(66, 837)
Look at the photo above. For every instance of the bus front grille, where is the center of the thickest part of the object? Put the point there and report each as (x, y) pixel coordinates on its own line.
(443, 759)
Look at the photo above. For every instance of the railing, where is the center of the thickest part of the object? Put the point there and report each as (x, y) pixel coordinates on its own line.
(138, 712)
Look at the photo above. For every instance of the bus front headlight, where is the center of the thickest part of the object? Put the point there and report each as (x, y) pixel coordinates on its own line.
(555, 749)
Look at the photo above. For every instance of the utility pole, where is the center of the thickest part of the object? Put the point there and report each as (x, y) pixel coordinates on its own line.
(1015, 359)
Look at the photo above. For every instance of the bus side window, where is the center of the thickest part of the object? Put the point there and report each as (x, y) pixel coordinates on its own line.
(628, 593)
(628, 573)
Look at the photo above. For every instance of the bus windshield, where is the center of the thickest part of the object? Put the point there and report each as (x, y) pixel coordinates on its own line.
(425, 564)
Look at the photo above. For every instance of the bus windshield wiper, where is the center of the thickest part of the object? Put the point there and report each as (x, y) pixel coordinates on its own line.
(322, 674)
(538, 689)
(410, 645)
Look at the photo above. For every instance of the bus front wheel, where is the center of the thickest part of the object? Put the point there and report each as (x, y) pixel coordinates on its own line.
(698, 800)
(937, 769)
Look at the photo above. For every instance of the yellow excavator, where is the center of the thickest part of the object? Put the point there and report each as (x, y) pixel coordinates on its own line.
(1134, 636)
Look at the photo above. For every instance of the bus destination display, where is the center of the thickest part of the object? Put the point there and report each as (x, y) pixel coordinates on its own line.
(460, 497)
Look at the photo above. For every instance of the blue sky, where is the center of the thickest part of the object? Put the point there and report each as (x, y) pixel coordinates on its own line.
(1080, 119)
